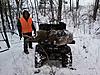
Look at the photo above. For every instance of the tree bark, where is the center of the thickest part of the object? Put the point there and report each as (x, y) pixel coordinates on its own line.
(44, 7)
(70, 5)
(7, 20)
(10, 16)
(59, 10)
(52, 10)
(77, 4)
(95, 9)
(35, 2)
(4, 28)
(32, 8)
(17, 3)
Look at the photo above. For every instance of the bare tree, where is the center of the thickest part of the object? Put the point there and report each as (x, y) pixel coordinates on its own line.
(77, 4)
(95, 9)
(7, 20)
(44, 7)
(4, 28)
(52, 10)
(17, 3)
(70, 5)
(36, 3)
(59, 10)
(9, 7)
(32, 7)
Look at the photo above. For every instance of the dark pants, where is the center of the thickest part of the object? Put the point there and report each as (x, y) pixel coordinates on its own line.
(27, 43)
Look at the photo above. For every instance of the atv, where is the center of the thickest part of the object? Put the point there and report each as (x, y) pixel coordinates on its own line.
(52, 45)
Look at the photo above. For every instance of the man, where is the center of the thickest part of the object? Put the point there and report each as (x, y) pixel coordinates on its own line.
(25, 27)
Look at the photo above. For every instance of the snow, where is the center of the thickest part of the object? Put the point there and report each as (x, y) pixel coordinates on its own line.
(85, 60)
(83, 2)
(86, 54)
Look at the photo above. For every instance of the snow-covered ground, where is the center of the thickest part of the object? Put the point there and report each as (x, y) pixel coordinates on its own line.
(86, 57)
(86, 54)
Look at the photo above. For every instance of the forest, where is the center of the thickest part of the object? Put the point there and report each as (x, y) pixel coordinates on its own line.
(82, 19)
(52, 11)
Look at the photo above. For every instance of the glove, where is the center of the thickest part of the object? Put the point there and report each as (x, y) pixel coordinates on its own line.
(20, 36)
(35, 34)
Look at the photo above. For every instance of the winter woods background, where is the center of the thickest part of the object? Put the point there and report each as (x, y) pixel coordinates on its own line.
(82, 18)
(52, 11)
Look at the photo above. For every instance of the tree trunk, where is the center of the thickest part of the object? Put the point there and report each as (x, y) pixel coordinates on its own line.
(27, 5)
(59, 10)
(4, 28)
(10, 16)
(95, 9)
(17, 3)
(44, 7)
(70, 5)
(32, 8)
(20, 4)
(52, 10)
(77, 4)
(7, 20)
(35, 2)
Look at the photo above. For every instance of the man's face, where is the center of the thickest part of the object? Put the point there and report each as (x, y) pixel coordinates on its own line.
(26, 15)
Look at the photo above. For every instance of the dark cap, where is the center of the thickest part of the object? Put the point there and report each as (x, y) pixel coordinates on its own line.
(25, 11)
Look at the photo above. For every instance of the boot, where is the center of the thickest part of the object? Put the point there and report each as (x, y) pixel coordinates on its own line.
(26, 51)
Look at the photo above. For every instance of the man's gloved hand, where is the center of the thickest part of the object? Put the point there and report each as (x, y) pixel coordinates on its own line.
(34, 34)
(20, 36)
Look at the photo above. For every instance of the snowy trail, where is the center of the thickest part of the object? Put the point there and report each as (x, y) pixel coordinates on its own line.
(86, 55)
(86, 58)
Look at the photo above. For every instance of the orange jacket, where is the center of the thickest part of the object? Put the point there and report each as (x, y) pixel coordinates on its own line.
(26, 25)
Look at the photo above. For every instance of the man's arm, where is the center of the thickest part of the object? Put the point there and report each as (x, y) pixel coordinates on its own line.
(33, 27)
(19, 28)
